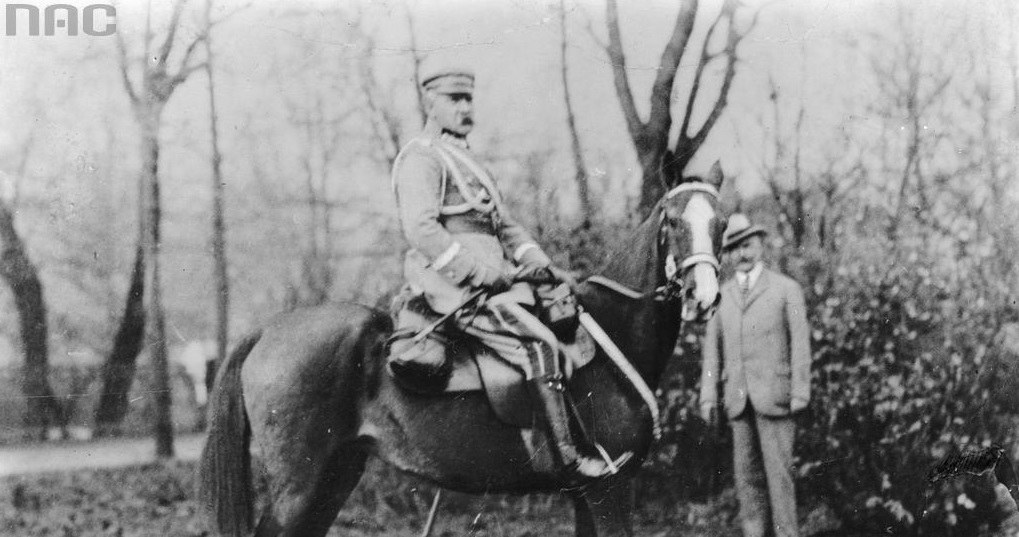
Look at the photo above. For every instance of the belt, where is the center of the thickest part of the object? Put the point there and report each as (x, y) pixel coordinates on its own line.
(469, 224)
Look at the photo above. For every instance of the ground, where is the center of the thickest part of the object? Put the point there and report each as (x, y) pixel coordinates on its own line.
(151, 498)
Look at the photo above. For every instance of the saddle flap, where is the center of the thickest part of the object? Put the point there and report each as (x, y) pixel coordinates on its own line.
(476, 368)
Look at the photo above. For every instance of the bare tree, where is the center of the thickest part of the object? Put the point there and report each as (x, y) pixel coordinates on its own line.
(222, 284)
(580, 170)
(912, 87)
(17, 270)
(148, 100)
(415, 54)
(660, 161)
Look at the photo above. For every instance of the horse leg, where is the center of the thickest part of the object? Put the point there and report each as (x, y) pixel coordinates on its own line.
(604, 509)
(583, 517)
(309, 509)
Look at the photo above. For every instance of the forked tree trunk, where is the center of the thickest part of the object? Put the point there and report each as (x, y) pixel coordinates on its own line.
(148, 100)
(44, 409)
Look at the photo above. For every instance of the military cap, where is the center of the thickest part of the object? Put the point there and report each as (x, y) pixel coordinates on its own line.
(738, 230)
(446, 75)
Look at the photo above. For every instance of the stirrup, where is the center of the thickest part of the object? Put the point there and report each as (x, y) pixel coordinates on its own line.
(587, 467)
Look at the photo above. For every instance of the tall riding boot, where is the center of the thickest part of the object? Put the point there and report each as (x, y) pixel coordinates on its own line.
(548, 393)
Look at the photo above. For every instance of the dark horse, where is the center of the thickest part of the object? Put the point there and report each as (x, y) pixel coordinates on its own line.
(310, 390)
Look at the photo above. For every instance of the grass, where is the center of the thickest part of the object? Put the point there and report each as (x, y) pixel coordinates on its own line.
(159, 500)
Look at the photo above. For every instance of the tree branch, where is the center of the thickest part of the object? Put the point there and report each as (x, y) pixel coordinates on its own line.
(416, 56)
(171, 32)
(186, 59)
(734, 39)
(589, 26)
(124, 76)
(660, 120)
(183, 75)
(618, 62)
(702, 63)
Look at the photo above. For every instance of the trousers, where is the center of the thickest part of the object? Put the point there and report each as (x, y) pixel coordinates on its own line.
(516, 335)
(763, 467)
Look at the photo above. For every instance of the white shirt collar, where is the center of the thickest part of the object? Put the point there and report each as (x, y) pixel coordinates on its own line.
(754, 274)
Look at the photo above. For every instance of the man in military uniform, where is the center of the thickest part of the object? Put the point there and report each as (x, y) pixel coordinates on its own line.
(463, 240)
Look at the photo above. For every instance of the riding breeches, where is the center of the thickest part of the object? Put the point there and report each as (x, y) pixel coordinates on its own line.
(516, 335)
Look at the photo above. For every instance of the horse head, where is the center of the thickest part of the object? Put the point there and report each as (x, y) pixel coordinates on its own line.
(690, 231)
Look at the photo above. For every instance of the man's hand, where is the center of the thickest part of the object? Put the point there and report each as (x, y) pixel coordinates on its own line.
(492, 278)
(564, 276)
(709, 413)
(797, 405)
(533, 274)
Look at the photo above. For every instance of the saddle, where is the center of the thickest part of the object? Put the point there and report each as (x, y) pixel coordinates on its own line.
(475, 368)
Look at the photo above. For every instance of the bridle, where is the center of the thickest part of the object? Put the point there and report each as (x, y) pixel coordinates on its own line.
(672, 290)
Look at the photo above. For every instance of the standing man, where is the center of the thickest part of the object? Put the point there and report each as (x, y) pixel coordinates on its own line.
(463, 240)
(761, 335)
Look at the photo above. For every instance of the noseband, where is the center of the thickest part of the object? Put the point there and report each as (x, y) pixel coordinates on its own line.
(673, 288)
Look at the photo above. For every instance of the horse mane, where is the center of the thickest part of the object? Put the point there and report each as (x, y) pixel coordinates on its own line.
(635, 264)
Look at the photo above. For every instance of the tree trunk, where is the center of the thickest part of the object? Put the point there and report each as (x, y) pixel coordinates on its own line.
(652, 183)
(118, 371)
(44, 410)
(580, 174)
(222, 285)
(162, 421)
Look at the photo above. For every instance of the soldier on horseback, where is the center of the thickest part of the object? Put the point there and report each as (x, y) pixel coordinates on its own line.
(463, 241)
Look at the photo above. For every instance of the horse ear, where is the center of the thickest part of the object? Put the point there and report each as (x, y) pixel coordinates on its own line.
(715, 175)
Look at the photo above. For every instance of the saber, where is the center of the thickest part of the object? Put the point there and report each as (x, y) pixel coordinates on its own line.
(625, 367)
(420, 336)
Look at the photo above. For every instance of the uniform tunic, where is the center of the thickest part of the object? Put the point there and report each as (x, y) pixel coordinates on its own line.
(453, 218)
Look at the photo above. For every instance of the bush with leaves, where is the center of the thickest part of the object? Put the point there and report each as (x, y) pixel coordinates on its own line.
(903, 376)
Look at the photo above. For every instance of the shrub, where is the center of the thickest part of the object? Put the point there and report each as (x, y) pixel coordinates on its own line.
(899, 382)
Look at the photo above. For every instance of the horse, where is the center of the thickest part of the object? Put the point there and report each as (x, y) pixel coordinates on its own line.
(310, 391)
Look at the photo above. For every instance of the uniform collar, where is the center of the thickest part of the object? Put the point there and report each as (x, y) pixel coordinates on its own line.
(434, 131)
(454, 140)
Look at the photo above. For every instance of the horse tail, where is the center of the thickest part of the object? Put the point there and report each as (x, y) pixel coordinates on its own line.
(224, 471)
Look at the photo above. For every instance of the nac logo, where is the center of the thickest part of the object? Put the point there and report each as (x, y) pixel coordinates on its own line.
(96, 19)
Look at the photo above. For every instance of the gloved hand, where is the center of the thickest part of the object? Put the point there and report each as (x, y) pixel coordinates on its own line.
(564, 276)
(534, 274)
(490, 277)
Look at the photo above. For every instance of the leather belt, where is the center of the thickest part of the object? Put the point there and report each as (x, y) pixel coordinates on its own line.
(466, 223)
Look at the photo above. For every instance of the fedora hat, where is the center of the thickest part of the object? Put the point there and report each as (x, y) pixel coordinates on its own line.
(739, 229)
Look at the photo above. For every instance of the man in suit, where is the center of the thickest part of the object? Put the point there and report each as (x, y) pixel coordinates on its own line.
(760, 334)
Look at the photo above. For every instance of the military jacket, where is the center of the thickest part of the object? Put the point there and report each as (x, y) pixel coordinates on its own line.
(452, 215)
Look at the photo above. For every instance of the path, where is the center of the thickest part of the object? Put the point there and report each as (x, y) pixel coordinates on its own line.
(109, 453)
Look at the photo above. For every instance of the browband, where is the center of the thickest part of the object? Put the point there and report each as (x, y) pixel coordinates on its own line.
(692, 186)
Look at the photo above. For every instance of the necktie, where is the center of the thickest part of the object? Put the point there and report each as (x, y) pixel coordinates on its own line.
(744, 286)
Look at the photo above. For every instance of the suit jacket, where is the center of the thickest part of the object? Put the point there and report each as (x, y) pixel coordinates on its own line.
(434, 180)
(764, 344)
